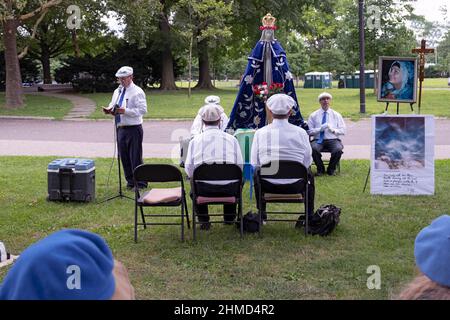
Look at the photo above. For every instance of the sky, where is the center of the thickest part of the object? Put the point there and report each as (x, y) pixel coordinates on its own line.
(430, 9)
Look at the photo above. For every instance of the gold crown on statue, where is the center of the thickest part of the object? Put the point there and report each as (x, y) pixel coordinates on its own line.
(268, 21)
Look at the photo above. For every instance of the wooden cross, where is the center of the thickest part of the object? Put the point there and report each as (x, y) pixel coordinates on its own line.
(422, 51)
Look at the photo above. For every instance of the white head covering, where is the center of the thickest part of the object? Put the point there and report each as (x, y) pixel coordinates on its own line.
(324, 95)
(212, 100)
(210, 113)
(124, 72)
(280, 103)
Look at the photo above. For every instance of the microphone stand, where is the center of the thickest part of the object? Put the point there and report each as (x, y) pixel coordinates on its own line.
(116, 125)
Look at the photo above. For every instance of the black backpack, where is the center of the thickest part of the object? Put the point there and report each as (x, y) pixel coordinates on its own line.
(323, 221)
(250, 222)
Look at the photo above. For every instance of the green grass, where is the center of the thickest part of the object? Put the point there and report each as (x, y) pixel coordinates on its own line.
(177, 105)
(169, 105)
(281, 264)
(40, 106)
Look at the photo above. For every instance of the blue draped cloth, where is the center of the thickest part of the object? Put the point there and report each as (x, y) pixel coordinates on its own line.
(249, 111)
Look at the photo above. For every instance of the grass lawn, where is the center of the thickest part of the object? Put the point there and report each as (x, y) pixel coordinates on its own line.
(177, 104)
(282, 264)
(36, 105)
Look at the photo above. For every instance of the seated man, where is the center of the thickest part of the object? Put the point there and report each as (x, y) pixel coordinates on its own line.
(197, 125)
(281, 140)
(67, 265)
(326, 125)
(213, 146)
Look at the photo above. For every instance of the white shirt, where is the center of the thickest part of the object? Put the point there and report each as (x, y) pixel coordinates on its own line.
(134, 102)
(334, 120)
(281, 140)
(212, 146)
(198, 127)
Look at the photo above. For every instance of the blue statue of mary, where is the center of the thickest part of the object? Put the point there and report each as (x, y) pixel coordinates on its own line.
(266, 64)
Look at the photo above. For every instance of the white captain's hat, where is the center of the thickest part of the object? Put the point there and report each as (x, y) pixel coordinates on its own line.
(212, 100)
(210, 113)
(324, 95)
(124, 72)
(280, 103)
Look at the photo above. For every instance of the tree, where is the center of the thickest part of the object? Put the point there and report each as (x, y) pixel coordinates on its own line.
(13, 13)
(155, 17)
(205, 25)
(298, 57)
(53, 37)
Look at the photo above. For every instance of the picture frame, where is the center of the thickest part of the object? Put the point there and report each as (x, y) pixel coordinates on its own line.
(397, 79)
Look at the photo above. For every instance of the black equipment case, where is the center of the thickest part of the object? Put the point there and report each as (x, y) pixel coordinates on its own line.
(71, 180)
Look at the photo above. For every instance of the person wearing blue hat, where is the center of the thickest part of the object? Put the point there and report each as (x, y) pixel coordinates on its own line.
(67, 265)
(432, 253)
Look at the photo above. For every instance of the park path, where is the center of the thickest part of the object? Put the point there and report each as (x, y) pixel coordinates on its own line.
(82, 106)
(90, 138)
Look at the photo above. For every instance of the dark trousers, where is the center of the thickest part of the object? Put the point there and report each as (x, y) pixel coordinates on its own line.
(130, 150)
(208, 190)
(285, 189)
(334, 146)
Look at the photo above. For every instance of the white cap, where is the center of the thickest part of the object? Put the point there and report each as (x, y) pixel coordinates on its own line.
(212, 100)
(124, 72)
(210, 113)
(324, 95)
(280, 103)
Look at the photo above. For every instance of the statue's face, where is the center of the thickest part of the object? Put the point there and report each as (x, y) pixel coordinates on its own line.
(268, 35)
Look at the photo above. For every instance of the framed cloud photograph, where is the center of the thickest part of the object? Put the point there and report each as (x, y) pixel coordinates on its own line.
(397, 79)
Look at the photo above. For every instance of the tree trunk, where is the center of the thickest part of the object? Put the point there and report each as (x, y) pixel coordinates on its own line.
(14, 96)
(76, 47)
(167, 76)
(204, 78)
(45, 60)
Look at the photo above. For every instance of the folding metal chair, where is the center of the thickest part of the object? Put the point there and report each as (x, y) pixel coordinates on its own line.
(159, 197)
(215, 195)
(283, 169)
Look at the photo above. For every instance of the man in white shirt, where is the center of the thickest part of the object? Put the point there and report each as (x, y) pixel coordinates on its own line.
(129, 105)
(326, 125)
(213, 146)
(281, 140)
(197, 125)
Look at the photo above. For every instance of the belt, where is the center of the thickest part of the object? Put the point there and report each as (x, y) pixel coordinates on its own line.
(131, 126)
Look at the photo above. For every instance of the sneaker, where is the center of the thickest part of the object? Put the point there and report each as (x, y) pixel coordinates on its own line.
(205, 226)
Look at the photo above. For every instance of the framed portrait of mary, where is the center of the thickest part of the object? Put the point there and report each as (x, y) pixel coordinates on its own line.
(397, 79)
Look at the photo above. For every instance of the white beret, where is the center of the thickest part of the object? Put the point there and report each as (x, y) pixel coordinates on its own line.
(324, 95)
(212, 100)
(210, 112)
(124, 72)
(280, 103)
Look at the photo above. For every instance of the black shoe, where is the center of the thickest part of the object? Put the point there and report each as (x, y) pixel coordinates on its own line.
(331, 172)
(318, 173)
(229, 223)
(205, 226)
(130, 187)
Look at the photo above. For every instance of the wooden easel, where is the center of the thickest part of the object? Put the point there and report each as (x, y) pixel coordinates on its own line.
(398, 104)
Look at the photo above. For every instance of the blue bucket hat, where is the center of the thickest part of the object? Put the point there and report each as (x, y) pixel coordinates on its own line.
(432, 250)
(66, 265)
